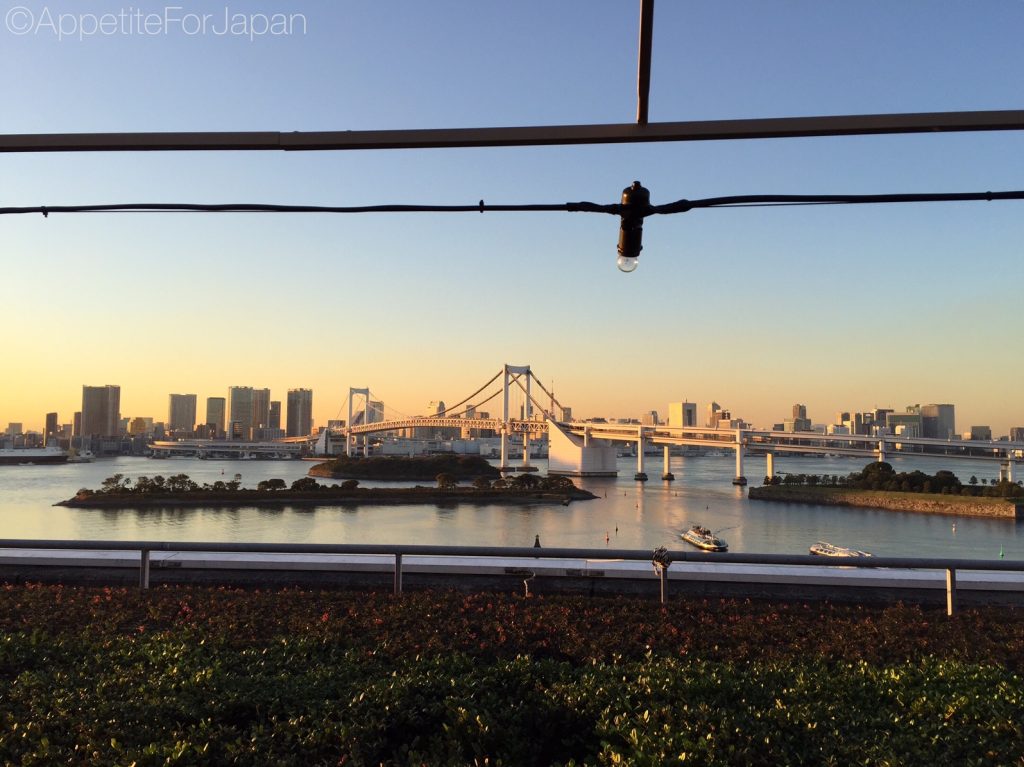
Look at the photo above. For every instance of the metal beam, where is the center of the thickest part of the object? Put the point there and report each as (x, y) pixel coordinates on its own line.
(545, 135)
(643, 78)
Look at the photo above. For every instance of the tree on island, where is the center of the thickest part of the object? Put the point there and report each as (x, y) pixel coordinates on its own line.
(271, 485)
(525, 482)
(445, 481)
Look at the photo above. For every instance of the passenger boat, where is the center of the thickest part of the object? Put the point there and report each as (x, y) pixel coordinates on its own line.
(30, 456)
(824, 549)
(703, 538)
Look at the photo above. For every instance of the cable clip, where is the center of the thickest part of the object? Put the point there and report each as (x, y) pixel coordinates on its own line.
(44, 211)
(481, 206)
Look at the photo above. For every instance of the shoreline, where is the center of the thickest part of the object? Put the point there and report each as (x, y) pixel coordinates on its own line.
(923, 503)
(375, 495)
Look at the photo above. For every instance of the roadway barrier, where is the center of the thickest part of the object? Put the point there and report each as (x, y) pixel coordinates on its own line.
(526, 561)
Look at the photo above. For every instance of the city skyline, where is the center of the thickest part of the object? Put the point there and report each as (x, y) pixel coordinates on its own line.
(303, 400)
(842, 307)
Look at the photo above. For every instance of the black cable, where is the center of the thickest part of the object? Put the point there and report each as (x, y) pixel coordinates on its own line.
(679, 206)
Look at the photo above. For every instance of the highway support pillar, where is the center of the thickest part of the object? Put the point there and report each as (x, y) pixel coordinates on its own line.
(641, 475)
(740, 479)
(665, 473)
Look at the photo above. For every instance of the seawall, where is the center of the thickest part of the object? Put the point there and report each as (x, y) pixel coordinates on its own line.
(879, 499)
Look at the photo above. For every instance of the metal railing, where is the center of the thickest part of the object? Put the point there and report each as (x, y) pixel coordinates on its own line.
(398, 551)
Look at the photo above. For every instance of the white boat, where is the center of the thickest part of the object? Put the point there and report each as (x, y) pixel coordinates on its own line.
(703, 538)
(26, 456)
(80, 456)
(825, 549)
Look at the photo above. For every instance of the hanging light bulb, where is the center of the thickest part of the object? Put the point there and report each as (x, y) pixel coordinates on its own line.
(636, 202)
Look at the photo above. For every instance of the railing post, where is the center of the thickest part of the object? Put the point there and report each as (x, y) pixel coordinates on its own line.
(144, 570)
(664, 585)
(950, 591)
(398, 574)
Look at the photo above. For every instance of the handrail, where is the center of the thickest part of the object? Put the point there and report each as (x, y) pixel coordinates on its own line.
(398, 551)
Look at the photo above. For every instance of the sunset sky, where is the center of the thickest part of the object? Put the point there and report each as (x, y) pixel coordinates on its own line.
(839, 308)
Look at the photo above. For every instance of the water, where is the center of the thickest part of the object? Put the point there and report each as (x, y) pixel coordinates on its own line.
(631, 514)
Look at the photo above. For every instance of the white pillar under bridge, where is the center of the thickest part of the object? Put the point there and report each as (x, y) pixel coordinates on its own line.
(506, 427)
(740, 479)
(528, 413)
(348, 424)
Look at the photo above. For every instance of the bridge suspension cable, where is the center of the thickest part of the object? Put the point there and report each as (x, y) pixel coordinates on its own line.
(550, 395)
(533, 399)
(445, 413)
(478, 404)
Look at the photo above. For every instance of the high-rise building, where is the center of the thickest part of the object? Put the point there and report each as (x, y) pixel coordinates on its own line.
(260, 408)
(714, 415)
(275, 414)
(938, 421)
(375, 411)
(215, 415)
(300, 412)
(980, 433)
(101, 411)
(799, 421)
(240, 412)
(1017, 433)
(140, 425)
(908, 424)
(682, 414)
(649, 418)
(52, 428)
(181, 414)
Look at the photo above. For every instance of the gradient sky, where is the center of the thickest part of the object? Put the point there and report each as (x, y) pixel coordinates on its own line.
(840, 308)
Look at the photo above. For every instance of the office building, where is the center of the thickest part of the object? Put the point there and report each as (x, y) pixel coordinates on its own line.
(260, 408)
(980, 433)
(716, 414)
(938, 421)
(240, 412)
(300, 412)
(101, 411)
(216, 416)
(908, 424)
(52, 428)
(682, 414)
(1017, 433)
(181, 414)
(275, 414)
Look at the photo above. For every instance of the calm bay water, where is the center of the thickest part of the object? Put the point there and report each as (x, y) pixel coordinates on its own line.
(631, 514)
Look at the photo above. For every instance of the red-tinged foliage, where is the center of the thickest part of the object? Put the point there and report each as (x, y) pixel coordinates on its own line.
(496, 626)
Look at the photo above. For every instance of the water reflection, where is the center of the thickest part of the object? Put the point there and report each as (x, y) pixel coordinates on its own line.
(625, 514)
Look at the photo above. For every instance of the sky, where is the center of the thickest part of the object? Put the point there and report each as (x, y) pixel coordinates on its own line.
(837, 308)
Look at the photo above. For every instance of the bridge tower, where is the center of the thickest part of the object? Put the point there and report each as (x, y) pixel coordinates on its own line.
(352, 392)
(509, 373)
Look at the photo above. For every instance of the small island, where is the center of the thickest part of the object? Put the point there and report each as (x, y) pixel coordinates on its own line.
(406, 468)
(179, 490)
(879, 486)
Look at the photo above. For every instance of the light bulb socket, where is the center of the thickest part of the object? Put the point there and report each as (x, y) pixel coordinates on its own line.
(636, 205)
